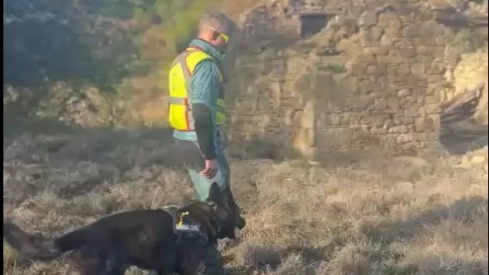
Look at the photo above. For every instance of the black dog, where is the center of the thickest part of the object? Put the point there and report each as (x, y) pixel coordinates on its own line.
(163, 241)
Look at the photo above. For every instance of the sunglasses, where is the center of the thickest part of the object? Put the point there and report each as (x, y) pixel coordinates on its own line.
(224, 36)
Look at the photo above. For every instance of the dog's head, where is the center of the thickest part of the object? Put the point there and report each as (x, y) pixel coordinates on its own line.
(228, 213)
(219, 217)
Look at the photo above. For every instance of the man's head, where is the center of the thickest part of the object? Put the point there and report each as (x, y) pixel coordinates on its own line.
(216, 29)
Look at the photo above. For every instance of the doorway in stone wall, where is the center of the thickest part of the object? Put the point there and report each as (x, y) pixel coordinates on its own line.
(312, 23)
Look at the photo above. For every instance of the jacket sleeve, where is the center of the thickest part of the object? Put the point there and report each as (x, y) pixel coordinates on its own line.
(204, 89)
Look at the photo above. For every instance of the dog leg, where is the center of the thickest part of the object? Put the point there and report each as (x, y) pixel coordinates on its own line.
(211, 264)
(93, 260)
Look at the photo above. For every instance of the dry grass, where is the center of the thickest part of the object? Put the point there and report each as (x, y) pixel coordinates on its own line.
(375, 215)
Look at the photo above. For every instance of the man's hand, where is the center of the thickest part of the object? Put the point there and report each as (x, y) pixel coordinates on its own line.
(210, 169)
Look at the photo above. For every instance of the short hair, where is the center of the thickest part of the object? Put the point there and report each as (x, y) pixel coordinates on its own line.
(218, 21)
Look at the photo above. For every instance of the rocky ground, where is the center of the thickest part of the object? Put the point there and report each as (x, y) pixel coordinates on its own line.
(350, 214)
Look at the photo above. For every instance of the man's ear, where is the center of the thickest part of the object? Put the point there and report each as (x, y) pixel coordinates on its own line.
(215, 198)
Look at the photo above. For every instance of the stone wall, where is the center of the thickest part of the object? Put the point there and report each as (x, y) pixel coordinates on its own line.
(370, 79)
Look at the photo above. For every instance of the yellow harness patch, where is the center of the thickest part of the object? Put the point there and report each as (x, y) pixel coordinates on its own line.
(185, 227)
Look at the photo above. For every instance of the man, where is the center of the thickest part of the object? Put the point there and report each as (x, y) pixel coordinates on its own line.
(197, 108)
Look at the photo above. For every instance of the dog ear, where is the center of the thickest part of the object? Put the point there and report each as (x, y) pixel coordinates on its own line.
(228, 199)
(215, 198)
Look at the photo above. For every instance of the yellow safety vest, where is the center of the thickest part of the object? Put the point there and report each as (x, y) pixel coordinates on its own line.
(180, 105)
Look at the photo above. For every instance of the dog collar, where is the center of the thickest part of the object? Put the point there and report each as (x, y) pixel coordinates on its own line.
(184, 225)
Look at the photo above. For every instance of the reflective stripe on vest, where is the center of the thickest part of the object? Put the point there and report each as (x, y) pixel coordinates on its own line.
(180, 112)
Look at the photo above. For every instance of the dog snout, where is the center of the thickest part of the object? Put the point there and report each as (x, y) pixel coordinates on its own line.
(241, 223)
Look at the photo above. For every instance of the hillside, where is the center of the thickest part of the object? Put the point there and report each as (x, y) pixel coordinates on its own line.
(96, 63)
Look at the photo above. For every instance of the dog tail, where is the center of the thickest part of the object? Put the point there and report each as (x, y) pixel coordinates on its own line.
(29, 246)
(38, 247)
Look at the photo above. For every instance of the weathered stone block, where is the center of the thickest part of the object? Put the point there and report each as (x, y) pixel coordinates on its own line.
(431, 29)
(411, 112)
(365, 86)
(399, 120)
(426, 59)
(399, 129)
(418, 69)
(428, 123)
(422, 83)
(422, 41)
(394, 29)
(408, 18)
(378, 131)
(397, 80)
(346, 118)
(380, 69)
(293, 117)
(367, 19)
(386, 40)
(419, 92)
(366, 39)
(382, 81)
(402, 43)
(440, 41)
(404, 138)
(407, 102)
(408, 54)
(355, 118)
(436, 68)
(377, 95)
(411, 80)
(393, 103)
(333, 119)
(295, 65)
(403, 70)
(379, 50)
(432, 99)
(387, 17)
(404, 93)
(360, 102)
(331, 139)
(427, 136)
(411, 31)
(371, 69)
(388, 124)
(361, 134)
(432, 108)
(389, 59)
(424, 49)
(380, 117)
(355, 69)
(380, 104)
(348, 85)
(365, 58)
(409, 147)
(376, 34)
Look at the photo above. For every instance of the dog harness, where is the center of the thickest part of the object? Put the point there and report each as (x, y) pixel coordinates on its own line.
(181, 223)
(185, 225)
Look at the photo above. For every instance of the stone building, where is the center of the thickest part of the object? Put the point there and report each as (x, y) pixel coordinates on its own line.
(339, 75)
